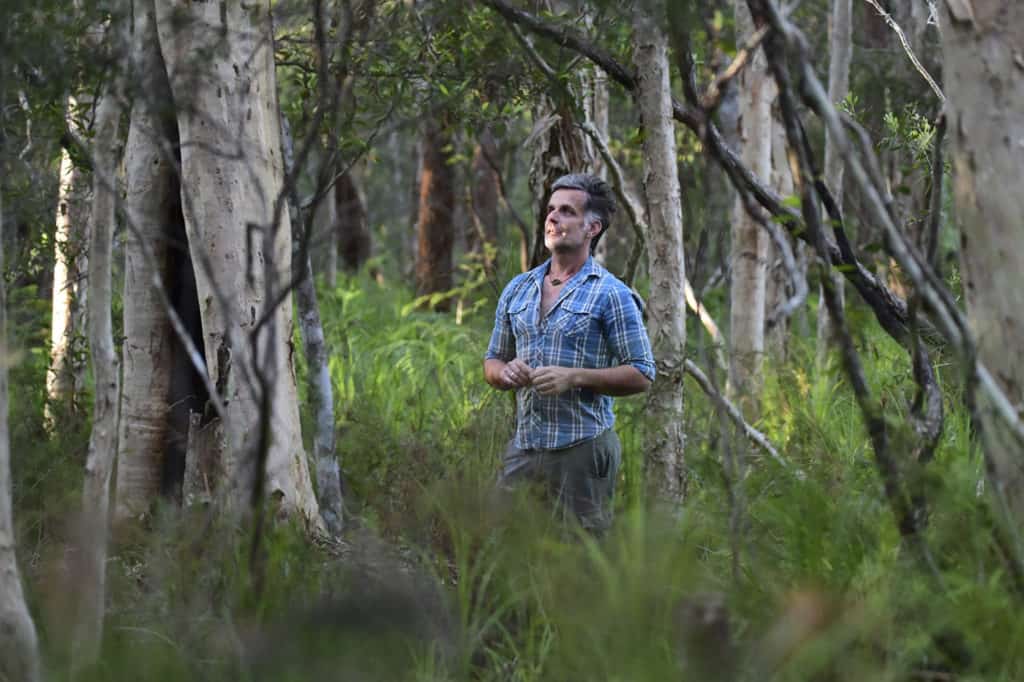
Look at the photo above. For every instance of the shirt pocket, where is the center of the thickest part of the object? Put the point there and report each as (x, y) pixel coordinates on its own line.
(574, 321)
(523, 330)
(519, 318)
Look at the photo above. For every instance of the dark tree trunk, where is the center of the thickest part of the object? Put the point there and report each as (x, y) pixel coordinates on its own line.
(559, 150)
(484, 194)
(435, 227)
(353, 234)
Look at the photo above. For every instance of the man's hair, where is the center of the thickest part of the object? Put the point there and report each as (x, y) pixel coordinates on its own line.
(600, 203)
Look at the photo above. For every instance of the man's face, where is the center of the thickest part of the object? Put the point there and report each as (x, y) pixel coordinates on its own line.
(564, 229)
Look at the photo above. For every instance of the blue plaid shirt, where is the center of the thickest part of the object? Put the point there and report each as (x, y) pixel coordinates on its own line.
(595, 323)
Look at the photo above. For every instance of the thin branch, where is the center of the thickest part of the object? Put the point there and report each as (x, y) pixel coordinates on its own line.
(712, 96)
(906, 48)
(565, 37)
(532, 53)
(736, 416)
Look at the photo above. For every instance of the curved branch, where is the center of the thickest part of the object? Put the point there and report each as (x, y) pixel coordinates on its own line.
(736, 416)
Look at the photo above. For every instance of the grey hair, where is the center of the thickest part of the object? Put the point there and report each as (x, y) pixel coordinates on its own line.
(600, 203)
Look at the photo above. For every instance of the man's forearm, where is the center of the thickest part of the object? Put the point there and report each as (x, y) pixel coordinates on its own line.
(493, 373)
(615, 381)
(493, 368)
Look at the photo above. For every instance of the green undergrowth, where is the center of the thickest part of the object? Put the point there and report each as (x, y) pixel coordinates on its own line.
(792, 571)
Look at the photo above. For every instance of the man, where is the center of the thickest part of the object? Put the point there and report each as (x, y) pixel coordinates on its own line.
(567, 336)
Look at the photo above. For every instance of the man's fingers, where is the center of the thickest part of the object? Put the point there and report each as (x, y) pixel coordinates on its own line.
(516, 373)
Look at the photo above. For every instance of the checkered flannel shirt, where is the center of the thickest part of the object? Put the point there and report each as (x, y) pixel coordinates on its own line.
(595, 323)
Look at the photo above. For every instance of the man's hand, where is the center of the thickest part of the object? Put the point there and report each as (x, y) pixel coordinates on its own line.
(516, 374)
(553, 380)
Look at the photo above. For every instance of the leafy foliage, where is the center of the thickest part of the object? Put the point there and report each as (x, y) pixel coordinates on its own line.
(445, 578)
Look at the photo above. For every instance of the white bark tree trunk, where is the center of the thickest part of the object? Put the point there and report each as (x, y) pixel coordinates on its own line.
(147, 349)
(321, 391)
(71, 239)
(749, 245)
(984, 86)
(103, 439)
(19, 649)
(220, 60)
(666, 322)
(841, 51)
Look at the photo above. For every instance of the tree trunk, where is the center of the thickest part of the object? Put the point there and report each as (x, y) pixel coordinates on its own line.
(666, 323)
(749, 250)
(240, 239)
(598, 110)
(984, 84)
(324, 240)
(151, 205)
(484, 195)
(558, 145)
(321, 391)
(841, 51)
(19, 650)
(719, 197)
(558, 149)
(778, 286)
(353, 235)
(329, 210)
(103, 439)
(435, 227)
(71, 240)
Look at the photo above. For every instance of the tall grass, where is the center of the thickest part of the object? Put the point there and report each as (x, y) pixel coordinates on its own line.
(441, 577)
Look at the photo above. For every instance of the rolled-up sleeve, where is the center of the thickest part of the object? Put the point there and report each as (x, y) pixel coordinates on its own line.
(626, 334)
(503, 344)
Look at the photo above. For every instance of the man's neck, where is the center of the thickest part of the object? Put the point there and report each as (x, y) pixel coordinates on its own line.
(565, 265)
